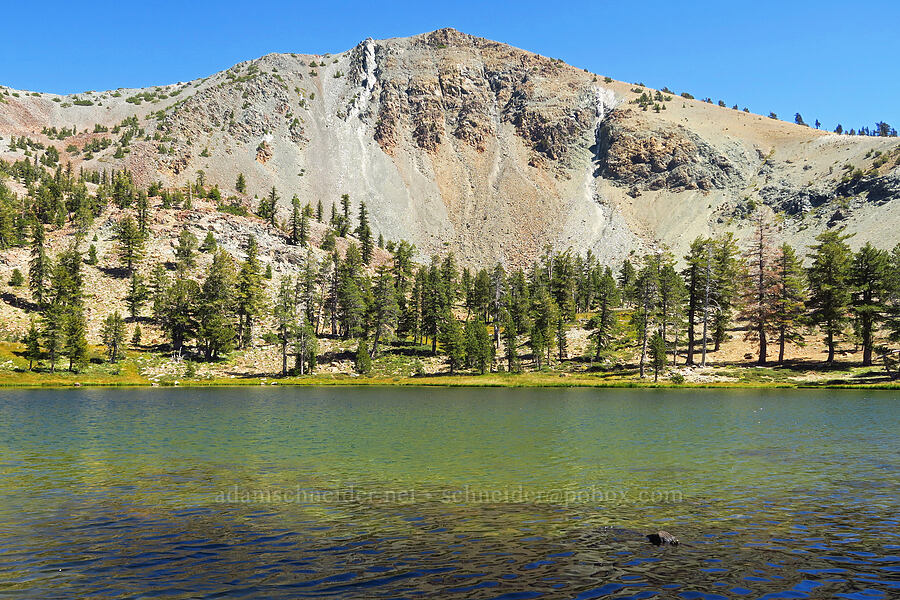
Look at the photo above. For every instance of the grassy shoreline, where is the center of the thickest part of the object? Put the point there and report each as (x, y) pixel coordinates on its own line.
(495, 380)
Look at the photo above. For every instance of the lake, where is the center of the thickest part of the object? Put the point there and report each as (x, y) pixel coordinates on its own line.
(452, 493)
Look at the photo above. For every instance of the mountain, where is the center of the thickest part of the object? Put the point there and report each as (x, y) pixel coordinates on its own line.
(459, 142)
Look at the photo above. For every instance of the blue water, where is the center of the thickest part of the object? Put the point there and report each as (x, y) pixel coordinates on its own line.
(465, 493)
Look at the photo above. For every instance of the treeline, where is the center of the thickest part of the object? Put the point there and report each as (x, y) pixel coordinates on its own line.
(482, 319)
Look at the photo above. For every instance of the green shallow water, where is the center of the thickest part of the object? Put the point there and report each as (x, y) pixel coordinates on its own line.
(482, 493)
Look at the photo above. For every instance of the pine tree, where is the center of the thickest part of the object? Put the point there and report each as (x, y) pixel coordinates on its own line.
(829, 287)
(296, 217)
(241, 184)
(627, 275)
(657, 354)
(142, 207)
(364, 233)
(344, 222)
(510, 342)
(726, 271)
(39, 267)
(53, 333)
(216, 307)
(870, 281)
(603, 323)
(92, 255)
(760, 286)
(136, 336)
(209, 244)
(130, 242)
(320, 214)
(646, 293)
(113, 335)
(454, 343)
(363, 363)
(32, 341)
(75, 346)
(385, 308)
(285, 313)
(137, 295)
(694, 276)
(177, 313)
(789, 298)
(479, 347)
(186, 251)
(249, 294)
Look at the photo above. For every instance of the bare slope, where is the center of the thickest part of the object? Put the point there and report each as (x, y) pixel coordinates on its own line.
(463, 143)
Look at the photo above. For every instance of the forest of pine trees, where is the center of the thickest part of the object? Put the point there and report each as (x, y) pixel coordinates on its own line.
(652, 311)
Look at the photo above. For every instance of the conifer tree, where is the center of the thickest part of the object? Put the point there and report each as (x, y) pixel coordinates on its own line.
(726, 270)
(829, 287)
(216, 307)
(32, 341)
(186, 251)
(789, 298)
(209, 244)
(510, 342)
(296, 217)
(39, 267)
(249, 294)
(657, 354)
(870, 284)
(241, 184)
(627, 275)
(479, 347)
(177, 313)
(364, 233)
(285, 313)
(646, 294)
(454, 343)
(113, 335)
(694, 277)
(760, 286)
(363, 364)
(136, 336)
(351, 294)
(320, 214)
(385, 310)
(137, 295)
(130, 242)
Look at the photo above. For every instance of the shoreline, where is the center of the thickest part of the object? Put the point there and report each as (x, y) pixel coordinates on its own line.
(443, 381)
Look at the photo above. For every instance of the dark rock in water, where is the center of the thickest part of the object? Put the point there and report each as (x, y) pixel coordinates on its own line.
(662, 537)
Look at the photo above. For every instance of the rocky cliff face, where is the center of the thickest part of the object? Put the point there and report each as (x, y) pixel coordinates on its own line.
(457, 142)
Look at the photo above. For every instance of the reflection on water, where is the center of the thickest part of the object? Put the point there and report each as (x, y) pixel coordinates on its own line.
(368, 493)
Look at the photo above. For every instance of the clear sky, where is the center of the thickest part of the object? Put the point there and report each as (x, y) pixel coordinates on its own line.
(831, 60)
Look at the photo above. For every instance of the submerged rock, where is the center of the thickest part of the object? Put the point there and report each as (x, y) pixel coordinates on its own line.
(662, 537)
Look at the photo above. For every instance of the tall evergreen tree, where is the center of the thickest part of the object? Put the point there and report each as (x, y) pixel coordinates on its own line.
(870, 284)
(364, 233)
(216, 307)
(646, 294)
(113, 335)
(829, 286)
(694, 275)
(285, 313)
(726, 269)
(479, 347)
(760, 286)
(130, 242)
(186, 251)
(657, 354)
(249, 295)
(385, 309)
(789, 298)
(32, 341)
(296, 218)
(241, 184)
(39, 267)
(454, 343)
(136, 296)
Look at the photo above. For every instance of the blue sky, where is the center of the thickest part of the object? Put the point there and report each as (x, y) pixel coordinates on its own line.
(829, 60)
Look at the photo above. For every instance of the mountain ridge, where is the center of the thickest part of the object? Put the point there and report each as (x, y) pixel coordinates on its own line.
(463, 143)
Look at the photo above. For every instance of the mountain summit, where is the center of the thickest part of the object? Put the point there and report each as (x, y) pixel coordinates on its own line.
(459, 142)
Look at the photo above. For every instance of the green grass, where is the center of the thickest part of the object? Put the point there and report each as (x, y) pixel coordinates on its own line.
(399, 368)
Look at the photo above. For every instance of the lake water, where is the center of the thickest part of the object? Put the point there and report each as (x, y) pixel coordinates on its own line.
(450, 493)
